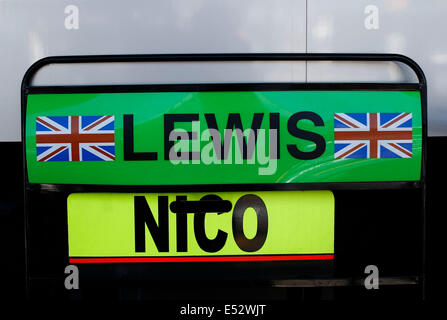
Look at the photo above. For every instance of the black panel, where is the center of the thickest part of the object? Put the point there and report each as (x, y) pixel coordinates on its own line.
(12, 235)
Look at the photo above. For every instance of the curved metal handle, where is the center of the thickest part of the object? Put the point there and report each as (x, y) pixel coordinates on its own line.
(224, 57)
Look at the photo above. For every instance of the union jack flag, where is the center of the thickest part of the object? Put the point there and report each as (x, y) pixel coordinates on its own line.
(75, 138)
(373, 135)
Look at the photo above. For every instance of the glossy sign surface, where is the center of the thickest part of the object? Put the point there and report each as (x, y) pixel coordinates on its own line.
(301, 137)
(256, 226)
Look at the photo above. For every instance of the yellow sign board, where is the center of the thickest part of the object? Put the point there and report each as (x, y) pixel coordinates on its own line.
(194, 227)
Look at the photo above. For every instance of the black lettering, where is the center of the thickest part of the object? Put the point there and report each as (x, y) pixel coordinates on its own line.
(320, 143)
(182, 228)
(144, 216)
(234, 122)
(128, 143)
(206, 244)
(245, 202)
(169, 120)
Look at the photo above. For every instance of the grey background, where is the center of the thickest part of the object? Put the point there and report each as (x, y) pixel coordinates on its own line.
(32, 29)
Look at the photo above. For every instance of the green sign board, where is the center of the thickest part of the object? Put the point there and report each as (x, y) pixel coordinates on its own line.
(223, 137)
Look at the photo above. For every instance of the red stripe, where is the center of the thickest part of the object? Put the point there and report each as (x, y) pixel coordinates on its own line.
(351, 150)
(203, 259)
(372, 135)
(47, 124)
(103, 152)
(373, 140)
(97, 122)
(74, 143)
(75, 138)
(52, 153)
(395, 120)
(400, 149)
(336, 116)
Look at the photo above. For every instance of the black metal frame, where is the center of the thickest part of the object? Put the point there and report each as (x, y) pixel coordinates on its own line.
(28, 88)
